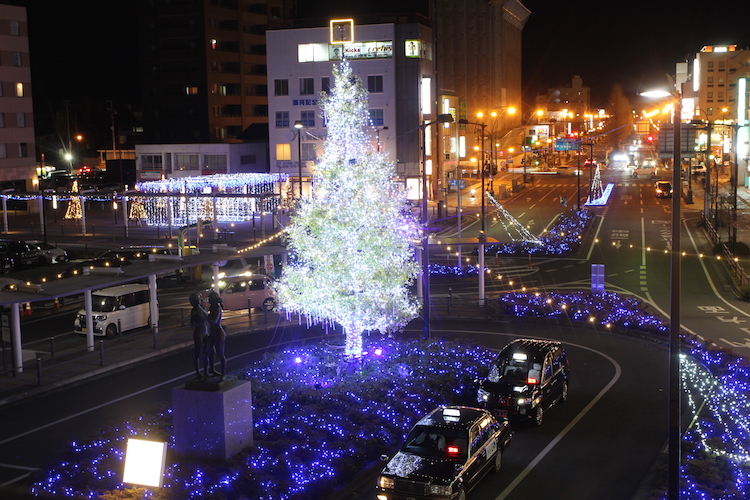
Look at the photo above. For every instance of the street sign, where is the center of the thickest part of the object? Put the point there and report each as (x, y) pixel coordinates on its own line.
(566, 144)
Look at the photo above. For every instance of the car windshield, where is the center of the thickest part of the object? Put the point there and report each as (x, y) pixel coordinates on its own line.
(435, 442)
(103, 304)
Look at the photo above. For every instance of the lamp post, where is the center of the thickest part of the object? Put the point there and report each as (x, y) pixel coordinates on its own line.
(674, 427)
(482, 235)
(444, 118)
(298, 125)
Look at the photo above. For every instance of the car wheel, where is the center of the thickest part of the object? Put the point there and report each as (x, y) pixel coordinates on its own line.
(269, 304)
(111, 330)
(538, 415)
(498, 460)
(564, 396)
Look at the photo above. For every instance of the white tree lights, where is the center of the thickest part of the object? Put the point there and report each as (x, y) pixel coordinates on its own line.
(351, 249)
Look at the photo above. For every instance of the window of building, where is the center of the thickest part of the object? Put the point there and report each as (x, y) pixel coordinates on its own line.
(23, 150)
(19, 89)
(710, 111)
(215, 162)
(309, 152)
(308, 118)
(710, 95)
(375, 83)
(325, 84)
(710, 81)
(721, 65)
(283, 151)
(3, 151)
(15, 30)
(151, 162)
(710, 65)
(721, 81)
(248, 159)
(186, 162)
(306, 86)
(214, 44)
(376, 117)
(2, 120)
(282, 119)
(281, 87)
(20, 119)
(721, 96)
(17, 59)
(191, 90)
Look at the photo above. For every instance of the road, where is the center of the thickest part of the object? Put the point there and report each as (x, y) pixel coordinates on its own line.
(611, 377)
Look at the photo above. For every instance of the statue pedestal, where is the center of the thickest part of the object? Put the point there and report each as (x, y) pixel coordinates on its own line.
(213, 420)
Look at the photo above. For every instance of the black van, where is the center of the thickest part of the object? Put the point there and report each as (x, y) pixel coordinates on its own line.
(526, 379)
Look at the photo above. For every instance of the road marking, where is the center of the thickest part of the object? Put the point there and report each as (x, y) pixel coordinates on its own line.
(618, 371)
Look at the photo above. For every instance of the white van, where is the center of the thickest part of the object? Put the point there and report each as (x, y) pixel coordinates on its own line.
(117, 309)
(236, 290)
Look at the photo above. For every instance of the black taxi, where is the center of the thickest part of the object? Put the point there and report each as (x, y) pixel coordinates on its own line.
(445, 455)
(526, 379)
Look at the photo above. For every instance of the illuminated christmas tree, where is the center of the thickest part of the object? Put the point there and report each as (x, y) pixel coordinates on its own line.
(138, 211)
(352, 258)
(75, 210)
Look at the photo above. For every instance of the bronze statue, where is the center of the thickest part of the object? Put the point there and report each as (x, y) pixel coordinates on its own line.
(216, 333)
(201, 339)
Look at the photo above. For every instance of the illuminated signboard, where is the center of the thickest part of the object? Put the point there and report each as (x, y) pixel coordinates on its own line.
(361, 50)
(342, 30)
(418, 48)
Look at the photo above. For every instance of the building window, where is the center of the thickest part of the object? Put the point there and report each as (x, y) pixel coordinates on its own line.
(375, 83)
(17, 59)
(721, 96)
(151, 162)
(20, 120)
(215, 162)
(721, 81)
(23, 150)
(308, 118)
(2, 120)
(306, 86)
(191, 90)
(281, 87)
(19, 89)
(325, 84)
(248, 159)
(282, 119)
(186, 162)
(214, 44)
(15, 30)
(309, 152)
(283, 151)
(710, 95)
(3, 151)
(376, 117)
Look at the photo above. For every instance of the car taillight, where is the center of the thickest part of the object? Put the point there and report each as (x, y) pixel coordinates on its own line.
(532, 381)
(453, 450)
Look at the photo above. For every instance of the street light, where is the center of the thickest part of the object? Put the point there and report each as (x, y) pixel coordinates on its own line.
(675, 431)
(444, 118)
(482, 235)
(299, 126)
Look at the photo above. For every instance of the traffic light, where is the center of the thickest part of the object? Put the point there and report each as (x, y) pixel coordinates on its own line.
(650, 139)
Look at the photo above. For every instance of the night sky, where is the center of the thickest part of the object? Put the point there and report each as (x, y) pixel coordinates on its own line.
(86, 50)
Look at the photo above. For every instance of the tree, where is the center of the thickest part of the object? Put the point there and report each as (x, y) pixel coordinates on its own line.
(351, 242)
(75, 209)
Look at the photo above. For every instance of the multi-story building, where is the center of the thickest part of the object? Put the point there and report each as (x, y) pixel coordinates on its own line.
(203, 68)
(395, 62)
(17, 147)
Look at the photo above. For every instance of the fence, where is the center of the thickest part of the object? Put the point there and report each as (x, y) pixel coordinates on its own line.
(736, 271)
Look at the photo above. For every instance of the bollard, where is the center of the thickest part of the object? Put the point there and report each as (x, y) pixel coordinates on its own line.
(52, 347)
(101, 353)
(39, 371)
(249, 312)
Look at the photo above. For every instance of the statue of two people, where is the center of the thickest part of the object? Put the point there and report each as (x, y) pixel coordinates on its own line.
(209, 336)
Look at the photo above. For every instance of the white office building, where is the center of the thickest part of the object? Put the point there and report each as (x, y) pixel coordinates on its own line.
(395, 63)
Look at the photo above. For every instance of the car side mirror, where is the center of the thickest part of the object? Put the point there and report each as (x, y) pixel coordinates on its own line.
(384, 458)
(121, 308)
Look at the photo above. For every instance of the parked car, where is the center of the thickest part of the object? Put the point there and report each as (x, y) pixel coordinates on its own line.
(527, 378)
(116, 309)
(17, 254)
(134, 253)
(663, 189)
(50, 254)
(235, 292)
(445, 455)
(77, 269)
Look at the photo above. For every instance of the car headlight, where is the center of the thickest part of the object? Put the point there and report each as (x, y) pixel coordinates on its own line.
(439, 489)
(100, 317)
(521, 401)
(386, 483)
(482, 396)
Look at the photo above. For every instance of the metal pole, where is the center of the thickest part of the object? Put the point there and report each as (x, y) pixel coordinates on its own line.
(425, 241)
(675, 431)
(578, 197)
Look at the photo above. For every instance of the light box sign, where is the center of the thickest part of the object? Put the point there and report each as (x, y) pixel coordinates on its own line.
(362, 50)
(144, 462)
(566, 144)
